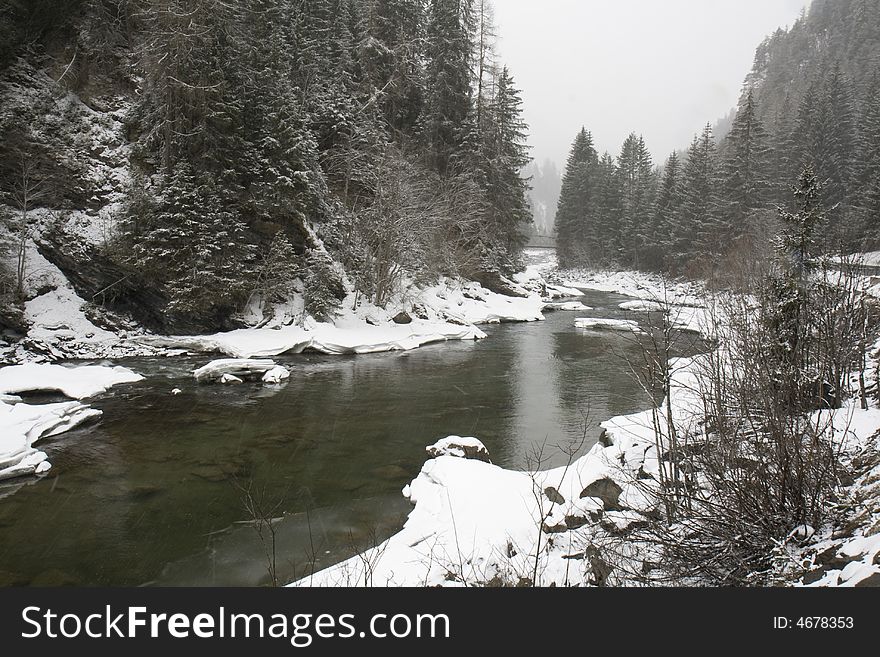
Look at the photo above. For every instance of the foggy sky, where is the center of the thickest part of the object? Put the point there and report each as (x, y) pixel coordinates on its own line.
(661, 68)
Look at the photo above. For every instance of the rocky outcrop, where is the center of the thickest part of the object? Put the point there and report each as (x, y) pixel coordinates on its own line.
(100, 281)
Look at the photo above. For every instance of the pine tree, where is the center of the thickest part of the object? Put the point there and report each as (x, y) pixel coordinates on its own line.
(605, 211)
(191, 245)
(575, 201)
(395, 59)
(666, 207)
(636, 176)
(448, 118)
(508, 213)
(744, 169)
(696, 226)
(867, 168)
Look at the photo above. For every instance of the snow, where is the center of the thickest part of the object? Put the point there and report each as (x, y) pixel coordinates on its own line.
(325, 338)
(22, 425)
(460, 447)
(471, 303)
(640, 285)
(276, 375)
(74, 382)
(235, 368)
(597, 324)
(643, 306)
(568, 306)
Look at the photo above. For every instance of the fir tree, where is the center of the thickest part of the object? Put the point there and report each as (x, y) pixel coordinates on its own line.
(636, 176)
(508, 213)
(666, 207)
(696, 225)
(448, 119)
(745, 169)
(575, 200)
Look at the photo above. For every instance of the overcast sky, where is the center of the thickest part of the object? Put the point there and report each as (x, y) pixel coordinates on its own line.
(661, 68)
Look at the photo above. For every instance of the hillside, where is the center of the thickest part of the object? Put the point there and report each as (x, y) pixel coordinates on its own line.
(277, 154)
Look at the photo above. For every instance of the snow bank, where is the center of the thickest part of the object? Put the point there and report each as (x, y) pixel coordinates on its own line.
(22, 425)
(471, 303)
(641, 285)
(325, 338)
(73, 382)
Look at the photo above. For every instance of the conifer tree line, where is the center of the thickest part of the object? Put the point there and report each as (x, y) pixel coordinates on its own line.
(370, 140)
(812, 100)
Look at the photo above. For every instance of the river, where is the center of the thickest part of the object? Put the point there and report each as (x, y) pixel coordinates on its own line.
(153, 493)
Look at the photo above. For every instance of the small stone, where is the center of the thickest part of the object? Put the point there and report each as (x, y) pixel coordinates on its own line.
(554, 495)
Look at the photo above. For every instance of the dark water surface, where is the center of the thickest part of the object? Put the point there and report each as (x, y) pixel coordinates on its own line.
(152, 494)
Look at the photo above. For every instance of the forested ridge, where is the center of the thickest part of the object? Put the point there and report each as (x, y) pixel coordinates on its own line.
(812, 100)
(270, 145)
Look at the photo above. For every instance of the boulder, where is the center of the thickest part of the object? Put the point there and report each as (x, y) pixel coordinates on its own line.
(402, 318)
(236, 368)
(276, 375)
(606, 490)
(464, 448)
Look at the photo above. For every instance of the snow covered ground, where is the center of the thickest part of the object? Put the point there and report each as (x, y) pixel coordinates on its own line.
(22, 425)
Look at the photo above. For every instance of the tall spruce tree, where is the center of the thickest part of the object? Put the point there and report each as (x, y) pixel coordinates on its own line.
(696, 225)
(575, 201)
(635, 171)
(745, 169)
(508, 210)
(666, 208)
(448, 113)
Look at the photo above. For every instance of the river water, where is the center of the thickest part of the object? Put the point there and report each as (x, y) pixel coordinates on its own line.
(154, 492)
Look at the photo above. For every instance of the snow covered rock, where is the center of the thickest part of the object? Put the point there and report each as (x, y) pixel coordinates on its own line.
(596, 324)
(568, 306)
(276, 375)
(465, 448)
(226, 370)
(73, 382)
(642, 306)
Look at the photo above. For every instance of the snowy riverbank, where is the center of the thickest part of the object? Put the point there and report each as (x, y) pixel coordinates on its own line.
(449, 310)
(474, 523)
(22, 425)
